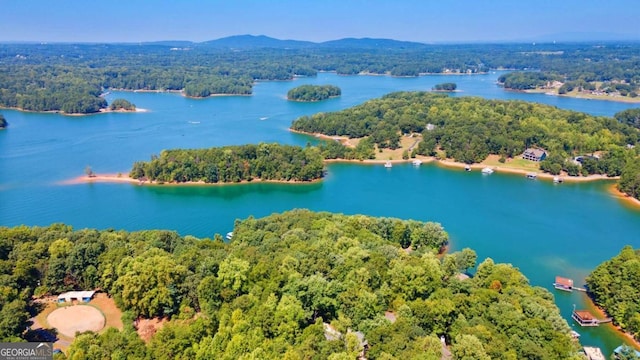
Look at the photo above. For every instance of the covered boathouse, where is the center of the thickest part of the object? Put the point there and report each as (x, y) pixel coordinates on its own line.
(584, 318)
(563, 284)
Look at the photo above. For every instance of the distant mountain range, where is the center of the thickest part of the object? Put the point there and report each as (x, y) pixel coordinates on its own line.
(262, 41)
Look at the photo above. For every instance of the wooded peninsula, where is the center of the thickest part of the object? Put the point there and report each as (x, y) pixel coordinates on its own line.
(468, 129)
(293, 285)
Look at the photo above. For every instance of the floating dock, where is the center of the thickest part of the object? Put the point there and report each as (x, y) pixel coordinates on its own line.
(566, 284)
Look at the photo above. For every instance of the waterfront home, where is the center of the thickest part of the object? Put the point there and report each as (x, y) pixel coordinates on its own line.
(80, 296)
(584, 318)
(534, 154)
(563, 284)
(624, 352)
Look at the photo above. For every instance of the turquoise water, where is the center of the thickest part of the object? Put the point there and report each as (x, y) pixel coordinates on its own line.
(541, 228)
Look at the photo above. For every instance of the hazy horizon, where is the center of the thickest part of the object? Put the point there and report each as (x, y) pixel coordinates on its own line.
(463, 21)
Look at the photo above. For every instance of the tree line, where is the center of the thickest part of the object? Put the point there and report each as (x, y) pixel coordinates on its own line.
(313, 92)
(230, 164)
(70, 77)
(615, 286)
(290, 286)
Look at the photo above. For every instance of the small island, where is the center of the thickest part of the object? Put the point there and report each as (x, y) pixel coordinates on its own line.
(121, 105)
(445, 87)
(3, 122)
(311, 93)
(232, 164)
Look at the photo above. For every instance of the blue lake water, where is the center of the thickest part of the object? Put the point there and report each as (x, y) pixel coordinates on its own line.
(541, 228)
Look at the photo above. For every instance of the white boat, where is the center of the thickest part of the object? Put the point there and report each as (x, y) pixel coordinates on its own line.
(388, 164)
(487, 171)
(557, 179)
(532, 176)
(229, 235)
(417, 162)
(467, 168)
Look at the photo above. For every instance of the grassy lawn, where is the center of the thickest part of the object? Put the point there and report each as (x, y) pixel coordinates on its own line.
(515, 163)
(405, 144)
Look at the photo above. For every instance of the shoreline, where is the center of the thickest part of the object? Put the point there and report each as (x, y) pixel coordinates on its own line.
(125, 179)
(59, 112)
(623, 197)
(344, 140)
(602, 314)
(549, 92)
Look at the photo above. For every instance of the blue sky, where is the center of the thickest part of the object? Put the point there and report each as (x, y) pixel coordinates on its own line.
(319, 20)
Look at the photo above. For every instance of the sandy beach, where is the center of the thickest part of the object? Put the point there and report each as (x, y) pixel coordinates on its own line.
(625, 198)
(121, 178)
(489, 162)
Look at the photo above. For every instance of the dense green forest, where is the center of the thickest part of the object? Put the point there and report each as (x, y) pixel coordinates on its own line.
(122, 104)
(70, 77)
(630, 117)
(615, 286)
(233, 164)
(630, 179)
(275, 290)
(449, 86)
(3, 122)
(313, 92)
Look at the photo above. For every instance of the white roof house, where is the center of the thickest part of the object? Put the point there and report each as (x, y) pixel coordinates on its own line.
(75, 295)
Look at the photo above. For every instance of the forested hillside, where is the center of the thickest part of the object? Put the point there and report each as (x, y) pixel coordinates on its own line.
(70, 77)
(233, 164)
(289, 286)
(615, 286)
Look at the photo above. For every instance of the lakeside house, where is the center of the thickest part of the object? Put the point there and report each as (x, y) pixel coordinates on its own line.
(564, 284)
(534, 154)
(80, 296)
(623, 352)
(584, 318)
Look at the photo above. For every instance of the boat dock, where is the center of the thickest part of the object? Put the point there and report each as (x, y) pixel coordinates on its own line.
(585, 318)
(566, 284)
